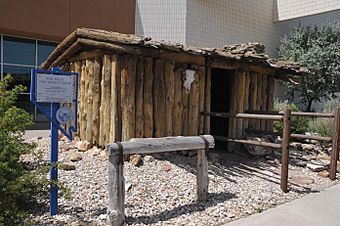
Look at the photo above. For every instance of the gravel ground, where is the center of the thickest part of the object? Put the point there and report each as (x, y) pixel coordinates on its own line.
(163, 192)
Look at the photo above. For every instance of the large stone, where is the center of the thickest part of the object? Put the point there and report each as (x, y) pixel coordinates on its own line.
(307, 147)
(166, 167)
(75, 156)
(322, 162)
(300, 163)
(315, 167)
(303, 180)
(136, 160)
(83, 145)
(67, 166)
(323, 173)
(95, 151)
(149, 158)
(258, 150)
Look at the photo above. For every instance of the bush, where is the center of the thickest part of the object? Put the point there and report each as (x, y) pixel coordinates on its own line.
(324, 126)
(299, 124)
(19, 187)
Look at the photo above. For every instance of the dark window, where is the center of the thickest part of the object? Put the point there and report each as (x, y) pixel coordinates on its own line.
(44, 49)
(20, 75)
(19, 51)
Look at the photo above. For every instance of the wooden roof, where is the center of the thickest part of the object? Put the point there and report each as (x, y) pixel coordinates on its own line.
(244, 56)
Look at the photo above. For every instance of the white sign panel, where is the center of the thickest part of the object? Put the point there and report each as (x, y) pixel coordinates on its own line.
(54, 88)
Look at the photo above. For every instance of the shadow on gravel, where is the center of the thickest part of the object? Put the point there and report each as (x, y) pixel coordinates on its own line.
(213, 200)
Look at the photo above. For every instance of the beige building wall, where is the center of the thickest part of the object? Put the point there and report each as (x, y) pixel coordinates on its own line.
(289, 9)
(214, 23)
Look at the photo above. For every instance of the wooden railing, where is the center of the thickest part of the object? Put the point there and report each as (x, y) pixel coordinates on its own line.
(149, 146)
(285, 116)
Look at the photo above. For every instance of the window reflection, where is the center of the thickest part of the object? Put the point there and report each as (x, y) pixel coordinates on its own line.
(19, 51)
(44, 49)
(20, 75)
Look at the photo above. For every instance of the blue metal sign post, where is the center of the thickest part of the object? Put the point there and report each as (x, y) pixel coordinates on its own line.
(55, 87)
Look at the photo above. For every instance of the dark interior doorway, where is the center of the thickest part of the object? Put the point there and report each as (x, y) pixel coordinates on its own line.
(221, 90)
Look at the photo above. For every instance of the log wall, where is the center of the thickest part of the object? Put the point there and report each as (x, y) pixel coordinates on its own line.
(125, 96)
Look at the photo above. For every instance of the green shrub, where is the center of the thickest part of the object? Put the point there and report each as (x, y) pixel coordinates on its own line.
(299, 124)
(324, 126)
(20, 188)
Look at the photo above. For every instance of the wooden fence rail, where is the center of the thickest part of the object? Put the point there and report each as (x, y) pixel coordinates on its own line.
(285, 116)
(116, 151)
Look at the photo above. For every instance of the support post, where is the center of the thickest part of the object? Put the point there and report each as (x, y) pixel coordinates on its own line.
(335, 144)
(54, 162)
(285, 149)
(116, 207)
(202, 172)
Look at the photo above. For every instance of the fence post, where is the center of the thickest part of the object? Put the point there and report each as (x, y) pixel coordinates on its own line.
(285, 148)
(116, 206)
(202, 175)
(335, 144)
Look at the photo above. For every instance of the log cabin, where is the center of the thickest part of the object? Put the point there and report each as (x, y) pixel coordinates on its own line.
(131, 86)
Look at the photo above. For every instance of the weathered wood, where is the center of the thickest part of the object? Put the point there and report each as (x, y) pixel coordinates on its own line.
(178, 106)
(164, 144)
(207, 99)
(182, 57)
(116, 205)
(240, 102)
(335, 144)
(246, 100)
(118, 48)
(201, 73)
(83, 101)
(319, 138)
(105, 103)
(65, 54)
(251, 142)
(77, 68)
(285, 149)
(259, 98)
(139, 97)
(264, 100)
(244, 115)
(89, 103)
(148, 97)
(193, 107)
(252, 97)
(159, 99)
(270, 100)
(170, 93)
(185, 104)
(116, 119)
(96, 99)
(202, 175)
(128, 82)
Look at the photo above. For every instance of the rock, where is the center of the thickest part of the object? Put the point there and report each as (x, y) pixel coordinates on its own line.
(64, 138)
(149, 158)
(258, 150)
(83, 145)
(76, 139)
(136, 160)
(315, 167)
(128, 186)
(67, 166)
(75, 156)
(302, 180)
(323, 173)
(94, 151)
(103, 155)
(321, 162)
(300, 163)
(166, 167)
(307, 147)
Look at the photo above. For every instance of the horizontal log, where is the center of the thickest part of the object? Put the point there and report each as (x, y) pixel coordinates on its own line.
(163, 144)
(108, 46)
(319, 138)
(243, 115)
(311, 114)
(251, 142)
(263, 132)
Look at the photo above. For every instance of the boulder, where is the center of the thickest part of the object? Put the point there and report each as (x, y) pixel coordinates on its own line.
(323, 173)
(307, 147)
(95, 151)
(136, 160)
(67, 166)
(75, 156)
(83, 145)
(302, 180)
(166, 167)
(258, 150)
(315, 167)
(149, 158)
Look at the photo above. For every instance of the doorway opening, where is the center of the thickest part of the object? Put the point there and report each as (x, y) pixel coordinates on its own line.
(221, 91)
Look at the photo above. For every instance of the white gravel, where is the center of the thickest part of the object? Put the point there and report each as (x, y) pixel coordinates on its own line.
(238, 187)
